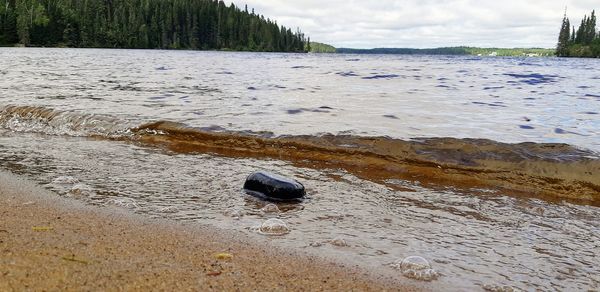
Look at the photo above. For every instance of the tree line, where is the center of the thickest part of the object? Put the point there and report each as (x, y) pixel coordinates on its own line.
(143, 24)
(583, 42)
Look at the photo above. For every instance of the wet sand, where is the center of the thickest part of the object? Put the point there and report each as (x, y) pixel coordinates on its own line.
(51, 243)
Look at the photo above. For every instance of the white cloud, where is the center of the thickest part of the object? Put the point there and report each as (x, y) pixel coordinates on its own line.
(425, 23)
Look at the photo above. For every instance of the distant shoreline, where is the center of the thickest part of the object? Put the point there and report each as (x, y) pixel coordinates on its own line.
(487, 52)
(457, 51)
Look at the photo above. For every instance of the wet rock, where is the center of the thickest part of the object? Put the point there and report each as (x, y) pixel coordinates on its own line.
(270, 186)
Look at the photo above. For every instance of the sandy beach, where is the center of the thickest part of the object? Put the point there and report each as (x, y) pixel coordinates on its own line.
(49, 243)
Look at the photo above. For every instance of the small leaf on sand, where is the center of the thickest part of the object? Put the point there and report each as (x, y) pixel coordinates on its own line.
(213, 273)
(224, 256)
(72, 258)
(41, 228)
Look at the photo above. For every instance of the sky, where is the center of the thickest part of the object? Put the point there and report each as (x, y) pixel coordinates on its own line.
(425, 23)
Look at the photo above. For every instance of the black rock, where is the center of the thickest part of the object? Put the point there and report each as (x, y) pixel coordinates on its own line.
(270, 186)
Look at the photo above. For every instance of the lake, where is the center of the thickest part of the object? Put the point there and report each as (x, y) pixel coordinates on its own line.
(486, 167)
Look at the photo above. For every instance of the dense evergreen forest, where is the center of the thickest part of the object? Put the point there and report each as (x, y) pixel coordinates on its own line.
(583, 42)
(144, 24)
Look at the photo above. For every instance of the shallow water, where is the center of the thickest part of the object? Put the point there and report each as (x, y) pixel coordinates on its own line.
(503, 99)
(80, 140)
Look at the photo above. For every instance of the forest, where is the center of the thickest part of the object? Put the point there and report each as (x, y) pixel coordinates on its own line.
(143, 24)
(316, 47)
(583, 42)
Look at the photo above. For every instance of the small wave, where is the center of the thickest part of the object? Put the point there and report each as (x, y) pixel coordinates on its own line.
(382, 76)
(492, 87)
(534, 78)
(347, 74)
(56, 122)
(551, 171)
(528, 64)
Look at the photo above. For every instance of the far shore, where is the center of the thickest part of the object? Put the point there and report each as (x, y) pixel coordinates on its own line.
(52, 243)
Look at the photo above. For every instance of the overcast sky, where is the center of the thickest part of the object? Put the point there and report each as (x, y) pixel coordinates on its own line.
(425, 23)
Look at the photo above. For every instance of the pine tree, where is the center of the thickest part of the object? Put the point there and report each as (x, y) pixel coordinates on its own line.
(8, 23)
(581, 31)
(562, 48)
(590, 29)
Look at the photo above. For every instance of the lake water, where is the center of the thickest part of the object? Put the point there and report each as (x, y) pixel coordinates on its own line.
(486, 167)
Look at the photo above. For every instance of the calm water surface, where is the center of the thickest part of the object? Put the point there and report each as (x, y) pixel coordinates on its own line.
(474, 238)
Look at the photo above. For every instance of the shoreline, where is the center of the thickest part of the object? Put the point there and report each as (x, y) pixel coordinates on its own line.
(52, 243)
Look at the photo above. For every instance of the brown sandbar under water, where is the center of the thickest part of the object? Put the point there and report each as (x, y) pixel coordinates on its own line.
(548, 171)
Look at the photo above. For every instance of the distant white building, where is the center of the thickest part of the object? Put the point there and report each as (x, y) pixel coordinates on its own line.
(493, 54)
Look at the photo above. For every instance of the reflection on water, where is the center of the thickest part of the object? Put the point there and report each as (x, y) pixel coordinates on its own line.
(86, 123)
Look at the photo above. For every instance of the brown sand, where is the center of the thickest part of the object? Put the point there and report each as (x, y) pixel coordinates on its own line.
(48, 243)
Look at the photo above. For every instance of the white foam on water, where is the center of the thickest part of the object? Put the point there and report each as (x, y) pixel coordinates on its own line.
(270, 208)
(65, 180)
(168, 209)
(416, 267)
(81, 190)
(338, 241)
(235, 213)
(274, 226)
(55, 122)
(123, 202)
(499, 288)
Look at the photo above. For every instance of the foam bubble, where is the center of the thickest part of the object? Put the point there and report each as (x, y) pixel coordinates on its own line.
(316, 244)
(270, 208)
(123, 202)
(273, 226)
(416, 267)
(169, 209)
(499, 288)
(80, 189)
(338, 241)
(235, 213)
(65, 180)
